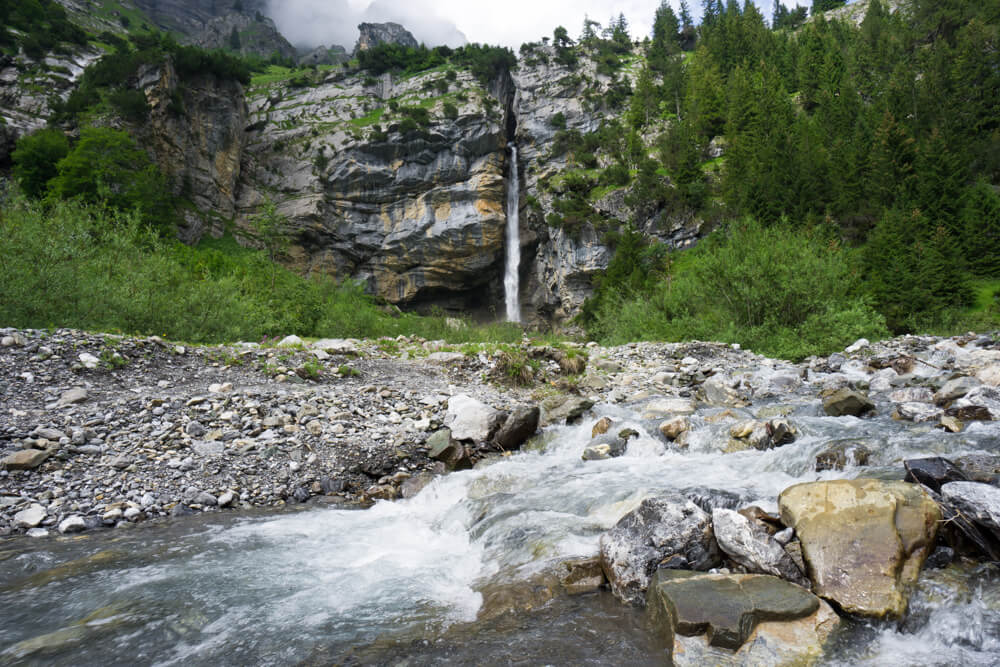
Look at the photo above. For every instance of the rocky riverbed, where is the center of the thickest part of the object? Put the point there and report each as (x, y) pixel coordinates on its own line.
(842, 510)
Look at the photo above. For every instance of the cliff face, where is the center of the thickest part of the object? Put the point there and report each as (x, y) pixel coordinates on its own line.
(27, 88)
(196, 134)
(373, 34)
(257, 35)
(416, 212)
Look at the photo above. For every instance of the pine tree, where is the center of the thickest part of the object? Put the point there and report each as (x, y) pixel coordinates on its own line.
(980, 222)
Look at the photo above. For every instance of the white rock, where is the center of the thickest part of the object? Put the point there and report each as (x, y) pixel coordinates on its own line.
(113, 515)
(72, 524)
(30, 517)
(132, 514)
(857, 346)
(226, 499)
(336, 346)
(89, 360)
(468, 418)
(290, 341)
(38, 532)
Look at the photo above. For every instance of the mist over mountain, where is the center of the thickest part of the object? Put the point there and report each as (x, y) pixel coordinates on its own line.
(315, 22)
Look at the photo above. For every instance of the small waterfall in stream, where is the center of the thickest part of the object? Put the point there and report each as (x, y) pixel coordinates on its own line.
(511, 279)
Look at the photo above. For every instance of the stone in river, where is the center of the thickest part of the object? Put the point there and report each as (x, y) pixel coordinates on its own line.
(658, 529)
(30, 517)
(847, 402)
(863, 540)
(470, 419)
(753, 548)
(737, 619)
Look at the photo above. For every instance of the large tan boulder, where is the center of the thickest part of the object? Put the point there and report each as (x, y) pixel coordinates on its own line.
(863, 540)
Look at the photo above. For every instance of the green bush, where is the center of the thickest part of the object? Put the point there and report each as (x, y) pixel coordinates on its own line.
(107, 167)
(36, 157)
(779, 291)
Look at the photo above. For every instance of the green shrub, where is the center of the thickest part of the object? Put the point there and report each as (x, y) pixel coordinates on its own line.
(778, 290)
(106, 167)
(450, 111)
(36, 157)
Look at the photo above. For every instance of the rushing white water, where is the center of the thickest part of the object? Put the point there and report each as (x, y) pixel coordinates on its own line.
(511, 278)
(316, 585)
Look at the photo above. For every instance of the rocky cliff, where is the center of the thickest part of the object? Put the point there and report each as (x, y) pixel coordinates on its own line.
(196, 134)
(373, 34)
(397, 181)
(256, 35)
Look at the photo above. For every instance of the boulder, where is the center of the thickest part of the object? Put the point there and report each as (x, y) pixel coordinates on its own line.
(723, 391)
(25, 459)
(563, 409)
(841, 454)
(980, 404)
(442, 447)
(470, 419)
(955, 389)
(917, 412)
(605, 447)
(847, 402)
(71, 397)
(753, 548)
(601, 426)
(517, 428)
(933, 472)
(337, 346)
(737, 619)
(667, 407)
(863, 540)
(291, 341)
(72, 524)
(660, 528)
(978, 502)
(672, 428)
(30, 517)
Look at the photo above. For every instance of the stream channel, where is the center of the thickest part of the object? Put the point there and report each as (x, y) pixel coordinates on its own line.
(404, 582)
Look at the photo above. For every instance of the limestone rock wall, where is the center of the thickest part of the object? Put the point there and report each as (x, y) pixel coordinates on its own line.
(196, 134)
(417, 213)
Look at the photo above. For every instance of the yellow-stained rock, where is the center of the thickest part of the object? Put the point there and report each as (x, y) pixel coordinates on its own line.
(863, 540)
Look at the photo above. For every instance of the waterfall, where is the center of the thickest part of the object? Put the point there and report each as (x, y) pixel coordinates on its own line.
(511, 279)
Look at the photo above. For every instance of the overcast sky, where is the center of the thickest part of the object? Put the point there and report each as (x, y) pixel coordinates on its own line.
(506, 22)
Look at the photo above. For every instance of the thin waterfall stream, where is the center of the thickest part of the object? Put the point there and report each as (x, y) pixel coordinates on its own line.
(511, 277)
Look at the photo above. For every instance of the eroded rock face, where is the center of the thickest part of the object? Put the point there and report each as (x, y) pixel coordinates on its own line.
(863, 540)
(374, 34)
(658, 530)
(199, 144)
(418, 214)
(738, 619)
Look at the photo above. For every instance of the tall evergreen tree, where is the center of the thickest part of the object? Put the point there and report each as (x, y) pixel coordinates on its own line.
(980, 222)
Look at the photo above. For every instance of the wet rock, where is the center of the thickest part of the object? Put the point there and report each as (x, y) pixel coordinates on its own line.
(442, 447)
(917, 412)
(978, 502)
(841, 454)
(667, 407)
(673, 428)
(753, 548)
(933, 472)
(955, 389)
(30, 517)
(709, 499)
(761, 618)
(226, 499)
(951, 424)
(470, 419)
(518, 427)
(414, 485)
(584, 575)
(979, 467)
(847, 402)
(658, 529)
(563, 409)
(723, 391)
(596, 453)
(864, 540)
(980, 404)
(601, 426)
(941, 557)
(25, 459)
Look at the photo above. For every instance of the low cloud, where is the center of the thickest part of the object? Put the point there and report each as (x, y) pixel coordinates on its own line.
(309, 23)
